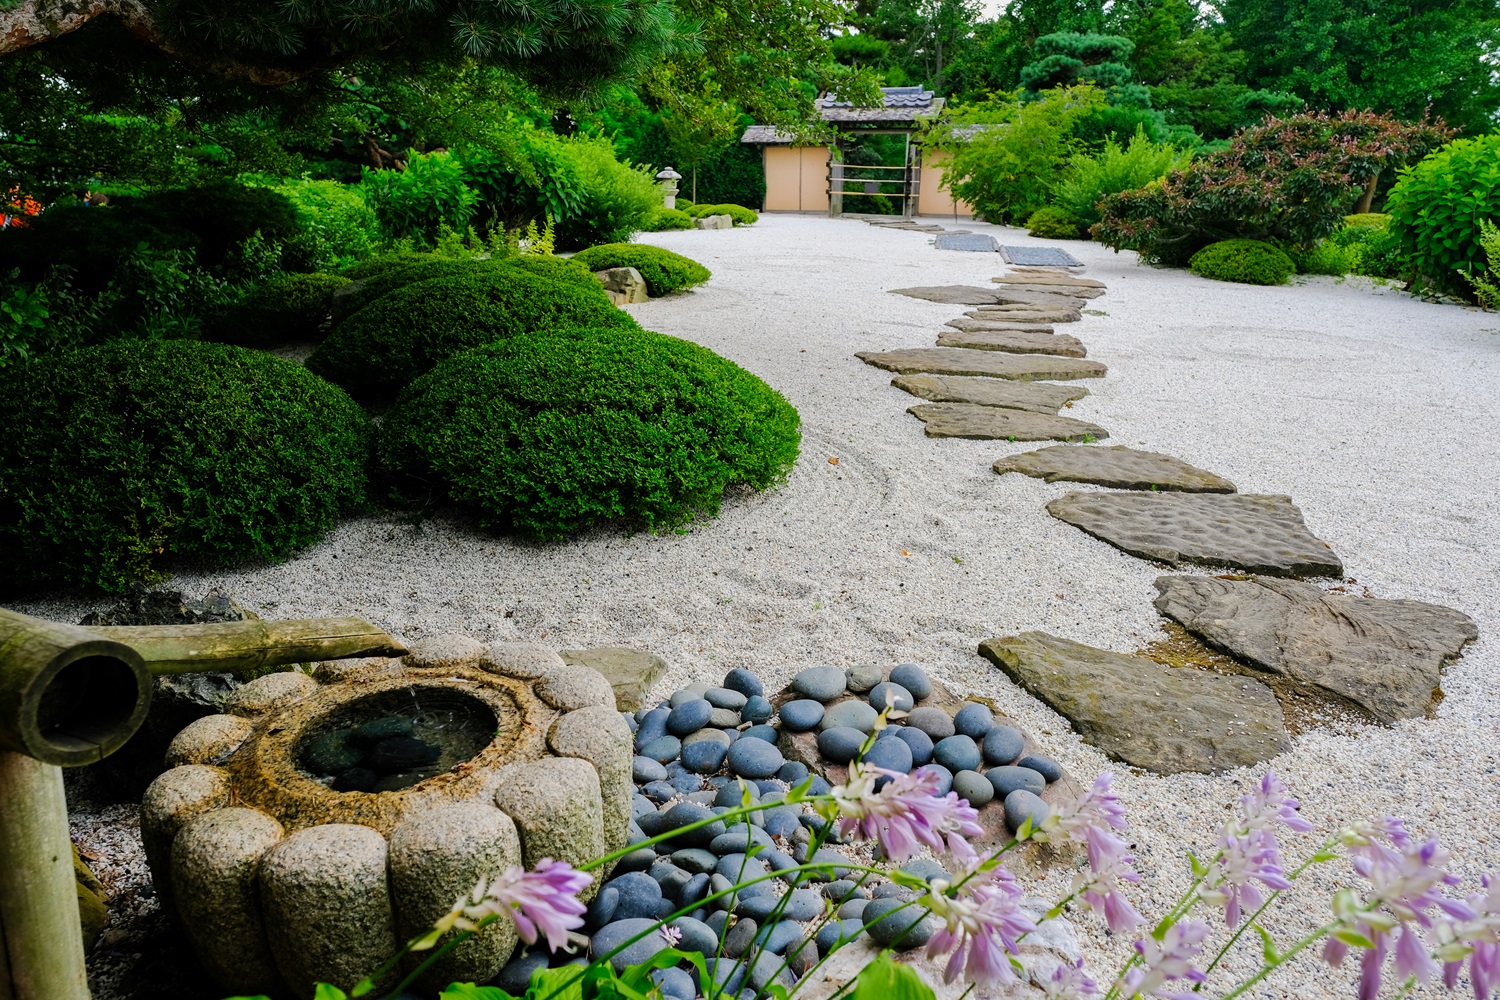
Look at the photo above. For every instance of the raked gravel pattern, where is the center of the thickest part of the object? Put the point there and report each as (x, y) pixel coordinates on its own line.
(1374, 410)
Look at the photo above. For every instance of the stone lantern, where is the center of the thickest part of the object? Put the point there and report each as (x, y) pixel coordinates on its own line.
(667, 181)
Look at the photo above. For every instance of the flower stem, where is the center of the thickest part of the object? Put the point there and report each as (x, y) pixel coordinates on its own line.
(1281, 960)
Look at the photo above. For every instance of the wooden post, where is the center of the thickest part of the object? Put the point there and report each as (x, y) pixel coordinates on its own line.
(42, 955)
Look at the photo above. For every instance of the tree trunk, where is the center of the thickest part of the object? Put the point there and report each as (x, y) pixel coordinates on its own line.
(1368, 198)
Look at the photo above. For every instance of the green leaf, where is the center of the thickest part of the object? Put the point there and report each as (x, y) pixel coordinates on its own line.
(565, 983)
(468, 991)
(1354, 939)
(1267, 946)
(884, 979)
(323, 991)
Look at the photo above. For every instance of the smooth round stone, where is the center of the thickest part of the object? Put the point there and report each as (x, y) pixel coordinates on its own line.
(763, 732)
(819, 786)
(1010, 778)
(801, 715)
(658, 791)
(1002, 745)
(683, 695)
(792, 772)
(716, 735)
(611, 936)
(887, 695)
(689, 717)
(777, 938)
(653, 726)
(1045, 766)
(732, 795)
(957, 753)
(840, 744)
(863, 677)
(639, 895)
(832, 858)
(743, 868)
(696, 888)
(516, 976)
(696, 935)
(926, 869)
(1022, 805)
(852, 909)
(636, 861)
(644, 769)
(769, 786)
(757, 709)
(891, 890)
(630, 721)
(973, 720)
(913, 678)
(935, 722)
(893, 924)
(835, 931)
(803, 904)
(741, 680)
(602, 909)
(671, 879)
(683, 780)
(674, 983)
(737, 841)
(685, 813)
(851, 715)
(920, 743)
(754, 758)
(663, 749)
(741, 937)
(819, 683)
(705, 756)
(777, 860)
(893, 755)
(721, 697)
(724, 718)
(695, 860)
(844, 890)
(782, 821)
(945, 778)
(640, 805)
(651, 823)
(974, 787)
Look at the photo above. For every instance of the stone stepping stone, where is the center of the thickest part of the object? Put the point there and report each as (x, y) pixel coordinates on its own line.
(1038, 397)
(973, 242)
(1026, 314)
(1385, 656)
(994, 423)
(1117, 467)
(1075, 291)
(1164, 719)
(1028, 276)
(1259, 533)
(1016, 341)
(1039, 257)
(969, 323)
(997, 364)
(973, 295)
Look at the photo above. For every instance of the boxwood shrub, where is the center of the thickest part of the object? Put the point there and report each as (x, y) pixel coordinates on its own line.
(1250, 262)
(121, 460)
(664, 219)
(284, 310)
(1436, 208)
(408, 269)
(548, 433)
(377, 351)
(663, 270)
(741, 215)
(1051, 223)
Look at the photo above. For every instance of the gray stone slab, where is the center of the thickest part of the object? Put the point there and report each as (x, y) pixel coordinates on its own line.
(957, 361)
(630, 672)
(1259, 533)
(1074, 291)
(1116, 467)
(994, 423)
(1030, 276)
(1040, 256)
(973, 242)
(1037, 299)
(1163, 719)
(1014, 341)
(962, 295)
(1385, 656)
(970, 323)
(1038, 397)
(1022, 313)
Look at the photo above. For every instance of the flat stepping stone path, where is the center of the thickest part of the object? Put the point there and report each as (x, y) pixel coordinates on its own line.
(1039, 256)
(1038, 397)
(986, 423)
(1385, 656)
(1026, 314)
(1075, 291)
(1259, 533)
(1163, 719)
(997, 364)
(1116, 467)
(997, 323)
(973, 242)
(974, 295)
(1039, 340)
(1029, 276)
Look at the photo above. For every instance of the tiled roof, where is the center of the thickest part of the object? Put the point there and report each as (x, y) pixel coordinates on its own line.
(765, 135)
(895, 97)
(902, 106)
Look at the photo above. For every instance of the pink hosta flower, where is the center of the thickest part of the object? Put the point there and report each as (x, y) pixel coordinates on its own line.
(1090, 820)
(671, 935)
(541, 903)
(1069, 982)
(1272, 800)
(906, 814)
(1475, 941)
(982, 926)
(1165, 961)
(1249, 852)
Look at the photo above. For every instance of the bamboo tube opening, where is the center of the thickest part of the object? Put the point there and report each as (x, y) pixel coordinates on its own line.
(89, 707)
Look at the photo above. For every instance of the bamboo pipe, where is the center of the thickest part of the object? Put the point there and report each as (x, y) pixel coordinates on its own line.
(250, 645)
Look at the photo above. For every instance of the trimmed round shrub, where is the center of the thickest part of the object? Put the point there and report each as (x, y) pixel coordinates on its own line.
(1373, 220)
(383, 262)
(545, 265)
(665, 219)
(284, 310)
(741, 215)
(1051, 223)
(380, 349)
(420, 267)
(545, 434)
(121, 460)
(1326, 257)
(1250, 262)
(663, 270)
(1436, 208)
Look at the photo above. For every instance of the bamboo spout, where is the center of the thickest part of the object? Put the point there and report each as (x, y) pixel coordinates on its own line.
(250, 645)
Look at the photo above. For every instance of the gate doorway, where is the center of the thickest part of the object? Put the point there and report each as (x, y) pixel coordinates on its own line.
(874, 173)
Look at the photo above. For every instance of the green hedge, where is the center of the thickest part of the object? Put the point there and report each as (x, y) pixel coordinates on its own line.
(382, 347)
(284, 310)
(663, 270)
(121, 460)
(664, 219)
(408, 269)
(549, 433)
(1250, 262)
(1052, 223)
(741, 215)
(1436, 208)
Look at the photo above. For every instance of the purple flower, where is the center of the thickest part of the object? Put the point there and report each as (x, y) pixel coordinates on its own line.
(982, 927)
(1090, 820)
(541, 903)
(1273, 801)
(1243, 860)
(1069, 982)
(1165, 961)
(1474, 940)
(906, 814)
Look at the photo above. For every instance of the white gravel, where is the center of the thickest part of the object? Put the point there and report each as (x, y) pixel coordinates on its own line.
(1374, 411)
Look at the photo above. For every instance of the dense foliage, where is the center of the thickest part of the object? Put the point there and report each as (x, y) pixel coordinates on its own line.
(1437, 207)
(1249, 262)
(1090, 177)
(741, 215)
(548, 433)
(665, 219)
(284, 310)
(382, 347)
(123, 460)
(1487, 283)
(1053, 223)
(1288, 180)
(664, 271)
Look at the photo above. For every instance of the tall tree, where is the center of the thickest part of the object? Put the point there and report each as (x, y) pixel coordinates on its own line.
(1398, 56)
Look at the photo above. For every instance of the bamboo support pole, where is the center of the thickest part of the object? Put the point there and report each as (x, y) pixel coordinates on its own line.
(42, 955)
(250, 645)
